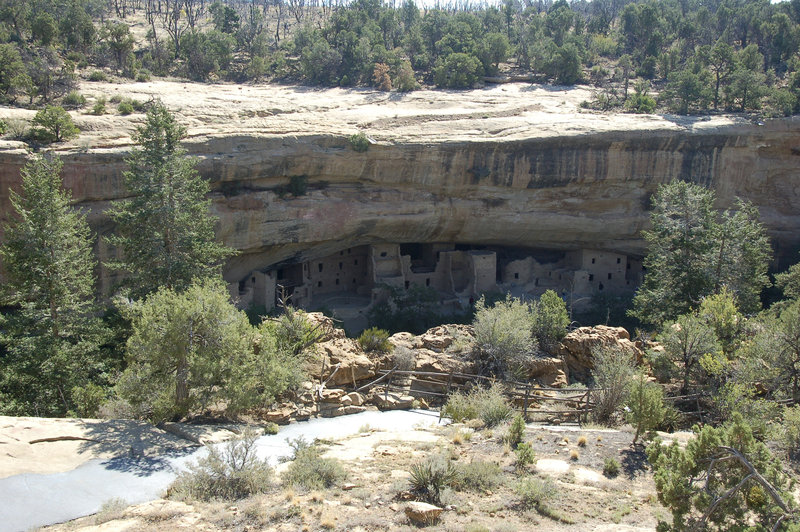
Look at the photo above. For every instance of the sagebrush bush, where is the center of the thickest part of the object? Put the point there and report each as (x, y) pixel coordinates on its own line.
(476, 476)
(229, 472)
(430, 476)
(404, 358)
(98, 75)
(310, 470)
(534, 492)
(375, 340)
(487, 404)
(612, 373)
(503, 340)
(74, 99)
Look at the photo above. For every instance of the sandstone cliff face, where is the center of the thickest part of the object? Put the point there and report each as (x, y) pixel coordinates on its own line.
(588, 190)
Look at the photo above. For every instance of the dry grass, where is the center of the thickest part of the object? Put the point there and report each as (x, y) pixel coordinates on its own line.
(582, 441)
(574, 455)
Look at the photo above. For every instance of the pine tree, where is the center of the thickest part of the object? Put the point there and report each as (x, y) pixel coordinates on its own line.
(165, 231)
(52, 336)
(694, 251)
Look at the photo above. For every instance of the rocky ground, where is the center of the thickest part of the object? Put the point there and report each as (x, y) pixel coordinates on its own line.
(505, 112)
(375, 494)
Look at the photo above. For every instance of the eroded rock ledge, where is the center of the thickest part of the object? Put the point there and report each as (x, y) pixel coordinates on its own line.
(511, 166)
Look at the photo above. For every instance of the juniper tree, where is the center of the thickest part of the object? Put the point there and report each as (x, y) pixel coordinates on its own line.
(51, 335)
(164, 229)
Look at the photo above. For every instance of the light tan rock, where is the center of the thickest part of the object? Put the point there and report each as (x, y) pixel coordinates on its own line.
(392, 401)
(331, 395)
(356, 399)
(577, 347)
(548, 371)
(422, 513)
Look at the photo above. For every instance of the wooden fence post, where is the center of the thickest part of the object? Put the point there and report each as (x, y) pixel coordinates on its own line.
(525, 403)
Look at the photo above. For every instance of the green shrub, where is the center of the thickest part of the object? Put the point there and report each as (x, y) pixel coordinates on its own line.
(74, 100)
(429, 476)
(271, 428)
(477, 475)
(503, 340)
(87, 399)
(125, 108)
(309, 470)
(99, 107)
(228, 473)
(646, 409)
(525, 456)
(791, 429)
(611, 467)
(115, 99)
(516, 432)
(3, 127)
(549, 320)
(55, 124)
(298, 185)
(487, 404)
(143, 75)
(691, 480)
(612, 373)
(374, 339)
(534, 492)
(359, 142)
(98, 75)
(457, 71)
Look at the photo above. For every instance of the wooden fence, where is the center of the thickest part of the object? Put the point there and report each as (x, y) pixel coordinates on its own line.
(573, 404)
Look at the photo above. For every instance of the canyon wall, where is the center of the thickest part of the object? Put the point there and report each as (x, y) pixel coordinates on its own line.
(589, 190)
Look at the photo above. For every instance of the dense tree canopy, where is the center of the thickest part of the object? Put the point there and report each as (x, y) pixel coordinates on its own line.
(165, 230)
(51, 335)
(694, 251)
(729, 55)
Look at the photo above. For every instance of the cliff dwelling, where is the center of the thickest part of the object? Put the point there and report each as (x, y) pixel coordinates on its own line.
(350, 281)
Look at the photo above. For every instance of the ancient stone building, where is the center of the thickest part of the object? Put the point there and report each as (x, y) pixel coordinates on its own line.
(357, 277)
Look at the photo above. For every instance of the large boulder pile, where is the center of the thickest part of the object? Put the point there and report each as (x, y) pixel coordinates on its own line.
(578, 346)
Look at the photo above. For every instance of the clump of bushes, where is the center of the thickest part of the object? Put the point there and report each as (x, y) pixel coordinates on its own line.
(375, 340)
(230, 472)
(612, 374)
(487, 404)
(98, 75)
(477, 476)
(359, 142)
(310, 470)
(611, 467)
(534, 492)
(74, 100)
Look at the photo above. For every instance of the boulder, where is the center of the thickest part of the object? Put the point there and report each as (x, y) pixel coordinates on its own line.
(356, 399)
(326, 326)
(577, 347)
(281, 415)
(331, 395)
(422, 513)
(549, 371)
(345, 353)
(392, 401)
